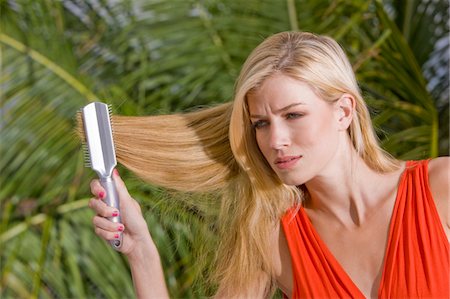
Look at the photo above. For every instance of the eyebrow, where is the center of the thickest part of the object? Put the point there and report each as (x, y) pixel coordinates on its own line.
(278, 111)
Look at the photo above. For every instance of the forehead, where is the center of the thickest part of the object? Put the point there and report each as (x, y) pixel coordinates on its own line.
(279, 91)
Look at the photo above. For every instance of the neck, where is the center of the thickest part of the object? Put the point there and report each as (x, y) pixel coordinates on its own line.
(347, 190)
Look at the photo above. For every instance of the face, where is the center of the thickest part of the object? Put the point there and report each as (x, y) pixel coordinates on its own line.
(296, 131)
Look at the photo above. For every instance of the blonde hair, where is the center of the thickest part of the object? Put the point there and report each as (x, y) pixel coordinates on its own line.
(214, 149)
(188, 152)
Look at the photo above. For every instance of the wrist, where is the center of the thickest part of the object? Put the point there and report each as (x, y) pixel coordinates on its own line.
(146, 271)
(144, 249)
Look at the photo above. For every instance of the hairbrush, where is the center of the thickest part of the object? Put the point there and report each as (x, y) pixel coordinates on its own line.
(100, 154)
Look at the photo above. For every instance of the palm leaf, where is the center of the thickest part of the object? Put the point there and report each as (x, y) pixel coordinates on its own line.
(155, 56)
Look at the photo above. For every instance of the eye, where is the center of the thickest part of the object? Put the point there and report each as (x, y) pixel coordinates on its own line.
(259, 124)
(293, 115)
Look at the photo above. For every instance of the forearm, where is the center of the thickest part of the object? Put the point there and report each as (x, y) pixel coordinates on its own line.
(147, 272)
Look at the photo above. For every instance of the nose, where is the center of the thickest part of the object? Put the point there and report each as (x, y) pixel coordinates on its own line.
(279, 136)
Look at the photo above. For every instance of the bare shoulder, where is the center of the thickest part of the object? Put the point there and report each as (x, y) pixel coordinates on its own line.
(439, 177)
(438, 174)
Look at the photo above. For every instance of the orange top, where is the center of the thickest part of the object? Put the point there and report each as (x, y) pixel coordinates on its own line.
(417, 254)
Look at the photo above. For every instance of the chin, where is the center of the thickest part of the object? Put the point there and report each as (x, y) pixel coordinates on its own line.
(290, 181)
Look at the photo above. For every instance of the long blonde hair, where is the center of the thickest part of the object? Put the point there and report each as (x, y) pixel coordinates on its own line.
(214, 149)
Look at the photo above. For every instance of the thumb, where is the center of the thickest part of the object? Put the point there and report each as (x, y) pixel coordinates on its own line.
(120, 185)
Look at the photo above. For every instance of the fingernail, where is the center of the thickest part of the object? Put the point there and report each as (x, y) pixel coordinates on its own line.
(101, 194)
(120, 228)
(115, 214)
(116, 236)
(116, 172)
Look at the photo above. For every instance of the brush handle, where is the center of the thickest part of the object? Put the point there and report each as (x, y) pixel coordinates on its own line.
(112, 200)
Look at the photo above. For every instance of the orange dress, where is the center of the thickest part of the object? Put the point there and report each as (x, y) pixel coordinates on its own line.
(416, 261)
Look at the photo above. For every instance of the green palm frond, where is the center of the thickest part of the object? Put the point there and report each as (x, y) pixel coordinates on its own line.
(158, 56)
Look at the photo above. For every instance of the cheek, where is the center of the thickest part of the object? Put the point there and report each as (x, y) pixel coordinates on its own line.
(313, 134)
(305, 134)
(323, 138)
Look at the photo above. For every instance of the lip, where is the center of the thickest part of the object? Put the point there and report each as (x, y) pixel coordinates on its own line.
(287, 162)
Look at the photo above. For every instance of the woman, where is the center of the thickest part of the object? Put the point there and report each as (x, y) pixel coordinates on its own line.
(311, 203)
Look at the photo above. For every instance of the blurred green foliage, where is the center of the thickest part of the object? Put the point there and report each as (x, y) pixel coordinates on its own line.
(159, 56)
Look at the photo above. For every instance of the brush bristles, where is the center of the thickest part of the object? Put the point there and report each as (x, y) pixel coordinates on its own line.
(111, 119)
(80, 132)
(79, 127)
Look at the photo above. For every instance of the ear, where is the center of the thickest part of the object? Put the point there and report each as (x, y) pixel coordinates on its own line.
(345, 106)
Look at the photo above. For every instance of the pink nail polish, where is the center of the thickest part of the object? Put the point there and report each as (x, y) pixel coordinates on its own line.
(116, 236)
(116, 172)
(120, 228)
(101, 194)
(115, 214)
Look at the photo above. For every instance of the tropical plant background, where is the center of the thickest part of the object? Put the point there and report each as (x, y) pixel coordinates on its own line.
(160, 56)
